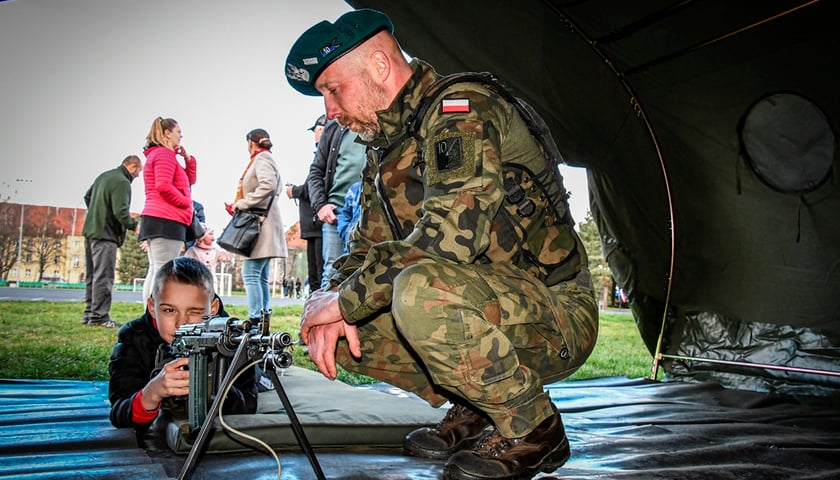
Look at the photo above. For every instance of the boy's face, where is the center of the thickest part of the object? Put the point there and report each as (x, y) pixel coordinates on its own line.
(180, 304)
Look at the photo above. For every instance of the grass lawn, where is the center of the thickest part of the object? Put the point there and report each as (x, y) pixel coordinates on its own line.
(46, 340)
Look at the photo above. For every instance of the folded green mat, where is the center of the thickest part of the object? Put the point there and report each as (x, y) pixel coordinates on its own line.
(332, 414)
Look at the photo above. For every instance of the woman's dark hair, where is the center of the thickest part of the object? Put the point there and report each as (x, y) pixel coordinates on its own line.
(260, 137)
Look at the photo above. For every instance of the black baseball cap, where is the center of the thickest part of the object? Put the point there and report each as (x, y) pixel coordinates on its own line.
(322, 120)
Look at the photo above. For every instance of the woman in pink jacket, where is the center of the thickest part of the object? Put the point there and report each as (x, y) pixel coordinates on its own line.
(168, 211)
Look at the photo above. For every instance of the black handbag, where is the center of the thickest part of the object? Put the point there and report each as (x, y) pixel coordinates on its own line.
(195, 230)
(241, 233)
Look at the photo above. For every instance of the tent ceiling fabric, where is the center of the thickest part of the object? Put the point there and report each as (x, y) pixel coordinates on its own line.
(650, 96)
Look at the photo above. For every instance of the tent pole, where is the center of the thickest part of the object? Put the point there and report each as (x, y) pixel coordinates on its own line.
(640, 112)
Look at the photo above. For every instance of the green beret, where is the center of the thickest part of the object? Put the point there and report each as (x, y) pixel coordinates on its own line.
(325, 42)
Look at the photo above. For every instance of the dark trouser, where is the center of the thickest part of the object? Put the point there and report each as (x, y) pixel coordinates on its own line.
(315, 261)
(100, 261)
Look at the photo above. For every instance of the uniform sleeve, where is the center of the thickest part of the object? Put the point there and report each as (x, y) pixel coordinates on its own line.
(463, 191)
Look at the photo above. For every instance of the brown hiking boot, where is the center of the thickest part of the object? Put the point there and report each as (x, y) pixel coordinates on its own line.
(498, 458)
(460, 429)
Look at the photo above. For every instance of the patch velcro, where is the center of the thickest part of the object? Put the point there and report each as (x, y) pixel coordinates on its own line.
(452, 155)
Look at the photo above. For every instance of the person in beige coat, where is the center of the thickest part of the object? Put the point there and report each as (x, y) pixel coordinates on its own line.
(260, 183)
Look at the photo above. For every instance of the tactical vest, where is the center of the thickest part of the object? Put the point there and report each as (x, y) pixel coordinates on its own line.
(553, 254)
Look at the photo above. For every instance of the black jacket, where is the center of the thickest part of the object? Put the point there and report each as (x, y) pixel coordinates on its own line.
(322, 169)
(133, 364)
(310, 226)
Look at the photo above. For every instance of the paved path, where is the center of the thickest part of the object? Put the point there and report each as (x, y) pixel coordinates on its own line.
(72, 295)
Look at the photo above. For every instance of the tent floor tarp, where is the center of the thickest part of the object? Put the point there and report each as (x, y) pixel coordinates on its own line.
(618, 428)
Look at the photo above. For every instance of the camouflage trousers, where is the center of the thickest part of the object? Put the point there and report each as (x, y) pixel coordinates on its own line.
(488, 334)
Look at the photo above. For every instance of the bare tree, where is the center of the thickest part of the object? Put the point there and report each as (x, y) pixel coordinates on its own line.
(9, 235)
(44, 230)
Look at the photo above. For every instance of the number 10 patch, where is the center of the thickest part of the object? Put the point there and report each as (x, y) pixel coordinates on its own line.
(449, 154)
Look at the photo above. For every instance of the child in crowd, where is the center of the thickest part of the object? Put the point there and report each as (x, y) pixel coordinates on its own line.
(204, 251)
(143, 370)
(348, 215)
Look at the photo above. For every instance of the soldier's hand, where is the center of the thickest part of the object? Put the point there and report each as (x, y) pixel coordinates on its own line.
(322, 343)
(320, 328)
(321, 308)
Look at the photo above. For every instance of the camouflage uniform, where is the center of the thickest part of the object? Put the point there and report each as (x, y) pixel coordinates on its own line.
(470, 296)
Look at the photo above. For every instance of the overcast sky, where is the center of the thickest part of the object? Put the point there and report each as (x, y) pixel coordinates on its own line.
(82, 81)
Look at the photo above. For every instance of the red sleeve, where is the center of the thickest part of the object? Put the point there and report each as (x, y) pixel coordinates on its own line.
(164, 175)
(139, 414)
(192, 169)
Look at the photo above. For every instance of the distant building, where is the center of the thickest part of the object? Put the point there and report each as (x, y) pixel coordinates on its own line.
(40, 243)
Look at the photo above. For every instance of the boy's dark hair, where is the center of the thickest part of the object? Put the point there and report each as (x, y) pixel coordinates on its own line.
(186, 270)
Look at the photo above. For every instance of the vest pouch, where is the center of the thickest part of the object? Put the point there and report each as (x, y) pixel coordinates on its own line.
(548, 244)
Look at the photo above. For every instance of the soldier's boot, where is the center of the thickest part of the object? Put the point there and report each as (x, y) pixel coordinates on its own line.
(498, 458)
(460, 429)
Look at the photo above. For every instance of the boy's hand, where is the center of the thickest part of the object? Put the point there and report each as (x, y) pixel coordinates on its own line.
(172, 381)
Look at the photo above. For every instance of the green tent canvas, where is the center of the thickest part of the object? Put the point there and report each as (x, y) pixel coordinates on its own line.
(708, 131)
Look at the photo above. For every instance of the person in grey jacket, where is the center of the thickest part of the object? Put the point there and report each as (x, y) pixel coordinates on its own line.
(260, 183)
(108, 201)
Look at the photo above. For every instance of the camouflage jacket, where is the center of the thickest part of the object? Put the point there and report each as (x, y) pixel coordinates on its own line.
(457, 192)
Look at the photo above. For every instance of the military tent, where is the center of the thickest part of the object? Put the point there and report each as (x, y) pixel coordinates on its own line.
(708, 131)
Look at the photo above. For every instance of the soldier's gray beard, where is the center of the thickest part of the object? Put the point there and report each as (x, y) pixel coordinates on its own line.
(369, 132)
(374, 101)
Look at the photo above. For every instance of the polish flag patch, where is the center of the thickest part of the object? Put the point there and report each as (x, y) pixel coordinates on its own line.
(455, 105)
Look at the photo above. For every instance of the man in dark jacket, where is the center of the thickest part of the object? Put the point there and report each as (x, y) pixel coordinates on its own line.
(310, 225)
(108, 201)
(337, 164)
(144, 375)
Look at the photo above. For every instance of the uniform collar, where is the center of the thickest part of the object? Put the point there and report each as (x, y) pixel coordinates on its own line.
(393, 120)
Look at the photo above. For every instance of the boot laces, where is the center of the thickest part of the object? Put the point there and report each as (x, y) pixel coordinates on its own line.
(451, 414)
(494, 444)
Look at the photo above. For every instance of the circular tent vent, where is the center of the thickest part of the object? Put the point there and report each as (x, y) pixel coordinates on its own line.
(788, 142)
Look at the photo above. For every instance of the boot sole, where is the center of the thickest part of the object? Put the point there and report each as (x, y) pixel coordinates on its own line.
(551, 462)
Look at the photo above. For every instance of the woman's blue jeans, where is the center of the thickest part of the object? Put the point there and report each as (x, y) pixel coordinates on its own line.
(255, 276)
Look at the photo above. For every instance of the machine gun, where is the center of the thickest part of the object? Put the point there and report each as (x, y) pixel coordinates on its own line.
(231, 343)
(216, 339)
